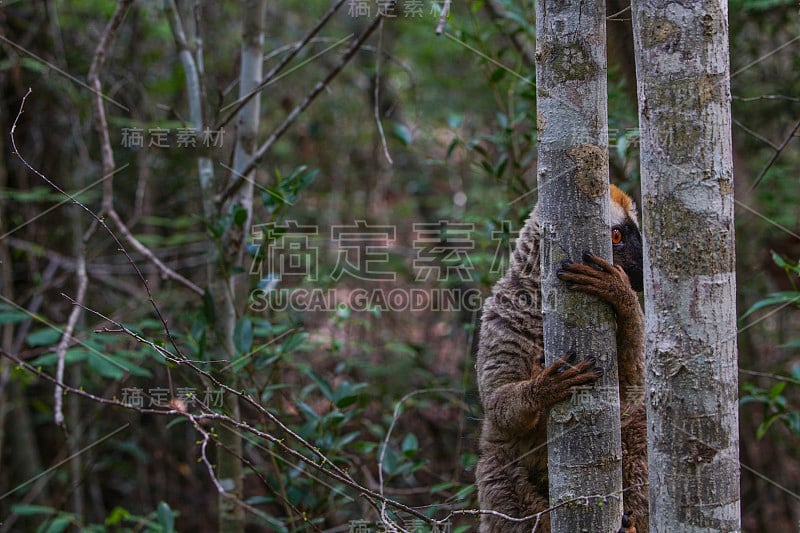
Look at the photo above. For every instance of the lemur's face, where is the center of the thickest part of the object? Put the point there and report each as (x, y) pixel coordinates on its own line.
(626, 242)
(626, 239)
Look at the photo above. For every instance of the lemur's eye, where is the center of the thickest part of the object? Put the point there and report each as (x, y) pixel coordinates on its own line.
(616, 236)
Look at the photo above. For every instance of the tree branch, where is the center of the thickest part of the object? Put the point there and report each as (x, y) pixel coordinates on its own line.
(280, 130)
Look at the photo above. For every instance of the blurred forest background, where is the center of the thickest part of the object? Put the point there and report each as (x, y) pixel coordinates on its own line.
(431, 142)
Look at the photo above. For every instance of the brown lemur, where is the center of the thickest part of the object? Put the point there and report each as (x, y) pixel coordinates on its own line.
(517, 390)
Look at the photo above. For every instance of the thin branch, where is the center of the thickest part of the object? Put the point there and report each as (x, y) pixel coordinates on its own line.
(326, 466)
(240, 103)
(377, 97)
(766, 97)
(280, 130)
(496, 16)
(395, 417)
(775, 156)
(97, 219)
(66, 337)
(765, 56)
(66, 460)
(166, 271)
(443, 17)
(189, 66)
(64, 73)
(755, 134)
(769, 375)
(101, 123)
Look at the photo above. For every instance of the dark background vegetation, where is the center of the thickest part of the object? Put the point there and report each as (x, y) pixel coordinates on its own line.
(461, 134)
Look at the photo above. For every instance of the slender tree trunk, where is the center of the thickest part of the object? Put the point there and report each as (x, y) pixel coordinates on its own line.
(229, 252)
(229, 452)
(689, 255)
(584, 449)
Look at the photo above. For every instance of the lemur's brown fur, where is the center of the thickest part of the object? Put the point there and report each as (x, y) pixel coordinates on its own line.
(517, 390)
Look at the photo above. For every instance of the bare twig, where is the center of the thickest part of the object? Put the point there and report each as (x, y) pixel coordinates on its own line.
(765, 56)
(395, 417)
(775, 156)
(100, 113)
(166, 271)
(755, 134)
(765, 97)
(325, 466)
(289, 120)
(443, 17)
(241, 102)
(769, 375)
(377, 96)
(66, 460)
(496, 15)
(61, 350)
(59, 70)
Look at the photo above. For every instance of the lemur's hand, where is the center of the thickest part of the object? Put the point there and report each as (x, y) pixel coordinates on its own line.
(599, 278)
(555, 382)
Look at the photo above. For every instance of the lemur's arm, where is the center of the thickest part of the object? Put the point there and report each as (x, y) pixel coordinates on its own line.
(518, 407)
(610, 283)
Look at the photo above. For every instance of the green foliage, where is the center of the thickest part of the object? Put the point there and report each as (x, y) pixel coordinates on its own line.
(119, 520)
(776, 406)
(775, 399)
(106, 356)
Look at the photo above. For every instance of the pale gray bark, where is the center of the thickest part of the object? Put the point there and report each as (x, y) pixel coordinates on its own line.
(689, 256)
(229, 451)
(584, 449)
(228, 254)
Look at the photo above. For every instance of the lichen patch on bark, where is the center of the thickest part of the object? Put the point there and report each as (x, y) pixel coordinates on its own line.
(657, 31)
(591, 162)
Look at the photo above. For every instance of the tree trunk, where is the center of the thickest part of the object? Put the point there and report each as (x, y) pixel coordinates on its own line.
(584, 449)
(682, 68)
(228, 254)
(229, 452)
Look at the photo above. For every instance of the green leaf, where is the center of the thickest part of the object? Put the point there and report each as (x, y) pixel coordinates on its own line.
(776, 390)
(791, 297)
(410, 445)
(796, 371)
(243, 335)
(117, 515)
(464, 493)
(346, 394)
(323, 385)
(73, 355)
(780, 261)
(754, 399)
(239, 215)
(454, 120)
(58, 525)
(794, 343)
(401, 133)
(23, 509)
(106, 365)
(497, 75)
(439, 487)
(43, 337)
(764, 426)
(793, 421)
(166, 518)
(12, 316)
(390, 462)
(309, 412)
